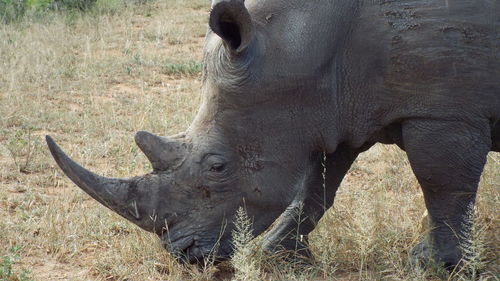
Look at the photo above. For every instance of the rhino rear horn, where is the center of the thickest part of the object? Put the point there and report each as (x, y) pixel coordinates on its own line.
(231, 20)
(163, 153)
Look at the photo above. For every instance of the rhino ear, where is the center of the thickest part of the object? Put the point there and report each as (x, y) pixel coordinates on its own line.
(231, 20)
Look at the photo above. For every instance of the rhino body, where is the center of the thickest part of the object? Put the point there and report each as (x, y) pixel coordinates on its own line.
(287, 82)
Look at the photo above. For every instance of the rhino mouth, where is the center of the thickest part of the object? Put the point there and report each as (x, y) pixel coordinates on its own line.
(193, 249)
(185, 249)
(195, 254)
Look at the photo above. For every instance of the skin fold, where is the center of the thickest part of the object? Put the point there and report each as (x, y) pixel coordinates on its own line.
(286, 83)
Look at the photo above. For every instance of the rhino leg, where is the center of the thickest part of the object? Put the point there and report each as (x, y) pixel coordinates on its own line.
(447, 158)
(290, 231)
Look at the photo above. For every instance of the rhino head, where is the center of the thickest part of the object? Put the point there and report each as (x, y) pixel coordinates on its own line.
(251, 144)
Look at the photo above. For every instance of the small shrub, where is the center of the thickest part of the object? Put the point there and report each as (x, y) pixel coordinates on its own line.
(22, 147)
(6, 267)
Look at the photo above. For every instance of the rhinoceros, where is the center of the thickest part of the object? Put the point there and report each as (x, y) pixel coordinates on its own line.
(286, 83)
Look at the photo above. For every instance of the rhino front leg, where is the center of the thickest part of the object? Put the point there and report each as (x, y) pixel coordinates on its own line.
(447, 159)
(290, 231)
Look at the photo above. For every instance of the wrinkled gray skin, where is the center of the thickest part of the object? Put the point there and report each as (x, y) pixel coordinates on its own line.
(288, 80)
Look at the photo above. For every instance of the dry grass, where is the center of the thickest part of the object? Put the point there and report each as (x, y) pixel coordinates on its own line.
(91, 82)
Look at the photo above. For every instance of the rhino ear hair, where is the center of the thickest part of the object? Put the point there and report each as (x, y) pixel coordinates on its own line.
(232, 22)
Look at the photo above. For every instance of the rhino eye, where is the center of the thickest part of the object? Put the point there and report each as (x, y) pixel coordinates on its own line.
(217, 167)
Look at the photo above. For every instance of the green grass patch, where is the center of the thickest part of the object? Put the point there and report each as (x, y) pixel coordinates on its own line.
(12, 11)
(190, 68)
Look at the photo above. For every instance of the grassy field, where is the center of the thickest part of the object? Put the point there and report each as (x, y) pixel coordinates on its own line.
(91, 81)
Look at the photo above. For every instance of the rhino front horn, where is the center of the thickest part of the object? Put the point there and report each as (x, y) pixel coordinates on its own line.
(130, 198)
(163, 153)
(110, 192)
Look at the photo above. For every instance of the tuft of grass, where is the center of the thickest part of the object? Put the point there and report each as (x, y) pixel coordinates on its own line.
(244, 260)
(473, 246)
